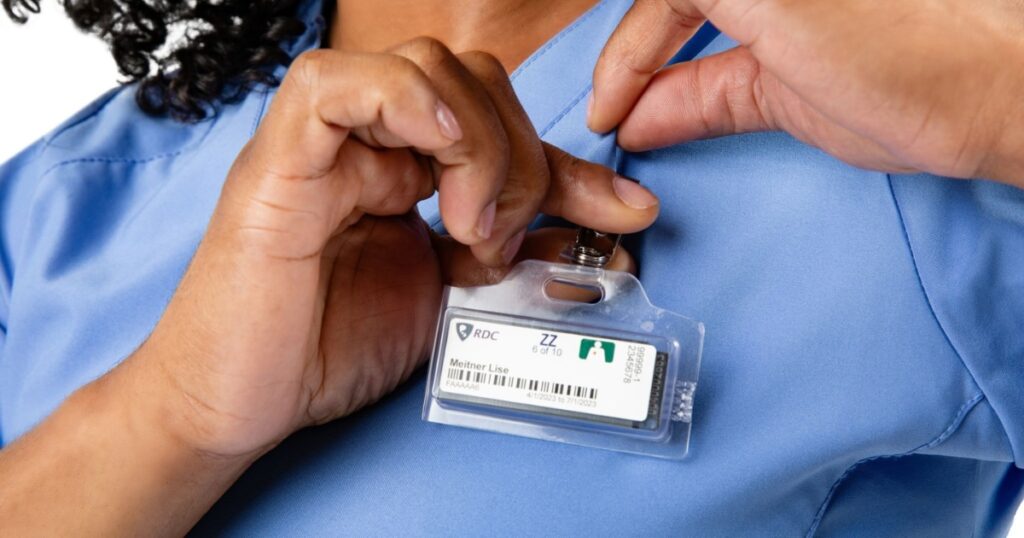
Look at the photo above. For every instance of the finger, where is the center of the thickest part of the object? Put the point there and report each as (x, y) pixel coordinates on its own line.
(391, 181)
(729, 93)
(527, 178)
(649, 34)
(704, 98)
(327, 93)
(297, 218)
(591, 195)
(459, 267)
(472, 171)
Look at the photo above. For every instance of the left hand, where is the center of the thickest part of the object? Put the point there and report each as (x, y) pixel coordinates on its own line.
(316, 288)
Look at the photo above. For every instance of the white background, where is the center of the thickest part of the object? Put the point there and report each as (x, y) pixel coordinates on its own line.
(50, 71)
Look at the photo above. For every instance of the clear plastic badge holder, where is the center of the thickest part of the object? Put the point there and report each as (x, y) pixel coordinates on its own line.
(617, 373)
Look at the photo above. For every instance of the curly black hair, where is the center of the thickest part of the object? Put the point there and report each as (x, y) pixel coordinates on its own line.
(188, 55)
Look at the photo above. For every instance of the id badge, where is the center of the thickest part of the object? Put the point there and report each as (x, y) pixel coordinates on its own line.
(614, 372)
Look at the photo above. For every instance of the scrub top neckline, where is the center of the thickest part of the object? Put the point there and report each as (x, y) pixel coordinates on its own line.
(565, 85)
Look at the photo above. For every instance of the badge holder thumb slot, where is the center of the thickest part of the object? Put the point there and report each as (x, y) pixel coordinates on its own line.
(616, 373)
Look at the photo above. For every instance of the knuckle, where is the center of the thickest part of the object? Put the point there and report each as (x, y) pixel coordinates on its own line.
(499, 151)
(760, 97)
(705, 112)
(636, 60)
(490, 160)
(569, 171)
(484, 65)
(427, 52)
(404, 69)
(403, 75)
(307, 70)
(573, 172)
(683, 14)
(398, 197)
(541, 179)
(304, 60)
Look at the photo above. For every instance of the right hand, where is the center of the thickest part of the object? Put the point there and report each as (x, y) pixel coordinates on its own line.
(316, 288)
(913, 85)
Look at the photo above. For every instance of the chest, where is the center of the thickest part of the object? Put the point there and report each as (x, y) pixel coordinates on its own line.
(816, 330)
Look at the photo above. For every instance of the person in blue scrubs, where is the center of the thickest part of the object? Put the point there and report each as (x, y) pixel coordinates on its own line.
(180, 301)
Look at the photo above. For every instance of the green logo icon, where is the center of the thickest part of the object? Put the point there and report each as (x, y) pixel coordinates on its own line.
(597, 349)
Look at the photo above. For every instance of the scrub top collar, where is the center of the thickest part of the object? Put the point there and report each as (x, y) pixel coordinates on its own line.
(311, 13)
(564, 86)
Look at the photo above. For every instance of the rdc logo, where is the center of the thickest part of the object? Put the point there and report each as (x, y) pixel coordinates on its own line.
(465, 330)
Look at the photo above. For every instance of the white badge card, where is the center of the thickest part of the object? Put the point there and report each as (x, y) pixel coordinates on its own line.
(545, 370)
(615, 373)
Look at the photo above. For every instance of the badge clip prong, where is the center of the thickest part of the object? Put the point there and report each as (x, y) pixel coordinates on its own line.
(591, 248)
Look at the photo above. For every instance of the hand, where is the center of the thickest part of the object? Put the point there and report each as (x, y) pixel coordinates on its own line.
(918, 85)
(316, 288)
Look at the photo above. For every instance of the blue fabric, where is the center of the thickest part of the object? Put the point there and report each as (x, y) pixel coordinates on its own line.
(862, 367)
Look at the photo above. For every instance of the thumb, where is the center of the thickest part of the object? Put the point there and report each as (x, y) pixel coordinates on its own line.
(594, 196)
(714, 96)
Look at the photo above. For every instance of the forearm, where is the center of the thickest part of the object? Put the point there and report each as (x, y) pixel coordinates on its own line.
(101, 465)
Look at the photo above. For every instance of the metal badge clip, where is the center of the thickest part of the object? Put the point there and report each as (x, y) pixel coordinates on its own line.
(592, 248)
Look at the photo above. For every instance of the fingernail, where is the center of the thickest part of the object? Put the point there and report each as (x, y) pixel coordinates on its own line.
(447, 122)
(632, 194)
(590, 111)
(486, 222)
(511, 248)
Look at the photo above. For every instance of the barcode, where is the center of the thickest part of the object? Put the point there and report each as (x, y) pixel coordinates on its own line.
(501, 380)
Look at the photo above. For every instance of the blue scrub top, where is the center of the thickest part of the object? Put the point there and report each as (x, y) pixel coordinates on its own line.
(862, 370)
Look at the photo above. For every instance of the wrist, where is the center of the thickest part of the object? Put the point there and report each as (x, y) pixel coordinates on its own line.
(164, 401)
(102, 465)
(135, 407)
(202, 376)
